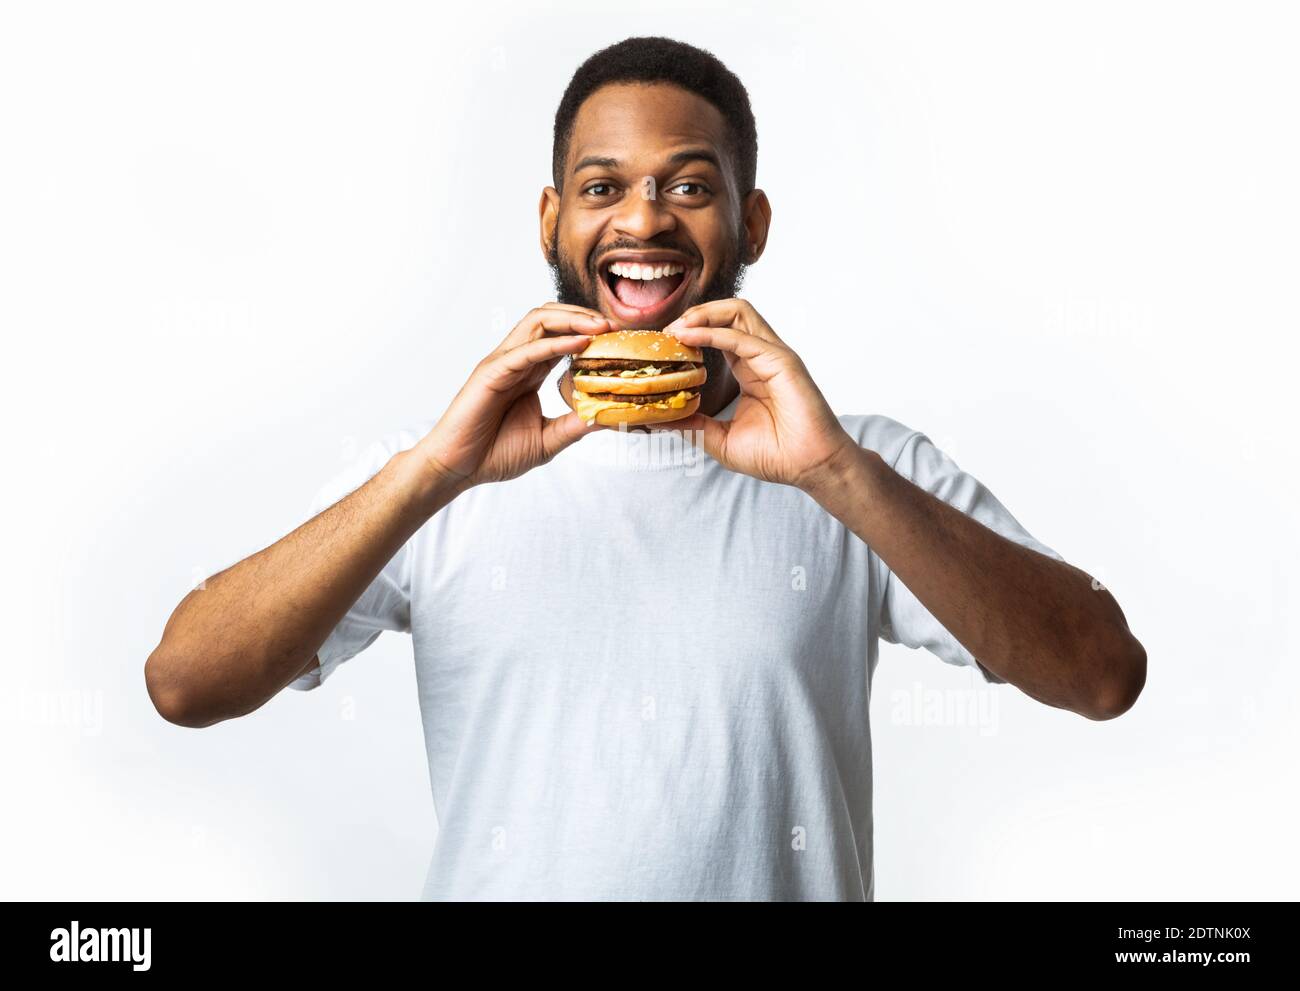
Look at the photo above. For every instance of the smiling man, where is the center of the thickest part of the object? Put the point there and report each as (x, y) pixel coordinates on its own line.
(644, 674)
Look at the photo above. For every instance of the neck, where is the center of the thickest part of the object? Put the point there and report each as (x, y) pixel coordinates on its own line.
(718, 391)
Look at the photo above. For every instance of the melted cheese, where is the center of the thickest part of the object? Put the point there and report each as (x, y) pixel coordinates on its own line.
(587, 408)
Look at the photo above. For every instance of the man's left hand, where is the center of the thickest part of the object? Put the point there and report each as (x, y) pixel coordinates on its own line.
(783, 430)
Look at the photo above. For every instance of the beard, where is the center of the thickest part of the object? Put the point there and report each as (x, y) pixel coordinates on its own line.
(571, 288)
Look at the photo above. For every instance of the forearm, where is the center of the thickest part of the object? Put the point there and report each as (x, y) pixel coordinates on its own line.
(1037, 622)
(232, 644)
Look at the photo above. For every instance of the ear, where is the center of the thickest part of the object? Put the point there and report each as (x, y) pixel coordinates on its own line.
(548, 211)
(757, 212)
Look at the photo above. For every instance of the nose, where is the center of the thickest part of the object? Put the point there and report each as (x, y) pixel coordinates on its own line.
(642, 215)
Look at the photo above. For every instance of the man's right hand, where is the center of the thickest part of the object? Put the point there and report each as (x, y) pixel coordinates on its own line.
(494, 429)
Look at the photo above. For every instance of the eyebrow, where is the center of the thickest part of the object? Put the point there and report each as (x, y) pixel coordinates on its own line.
(689, 155)
(593, 161)
(697, 155)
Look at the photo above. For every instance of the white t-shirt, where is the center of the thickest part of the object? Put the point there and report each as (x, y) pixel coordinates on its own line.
(645, 677)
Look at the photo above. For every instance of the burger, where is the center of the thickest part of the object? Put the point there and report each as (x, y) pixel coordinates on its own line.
(636, 376)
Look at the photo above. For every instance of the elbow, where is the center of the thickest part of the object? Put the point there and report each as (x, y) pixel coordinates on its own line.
(168, 695)
(1120, 690)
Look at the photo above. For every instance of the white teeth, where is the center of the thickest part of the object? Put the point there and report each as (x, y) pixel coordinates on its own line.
(633, 270)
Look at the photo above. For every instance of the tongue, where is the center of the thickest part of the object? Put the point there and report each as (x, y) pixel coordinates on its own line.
(644, 294)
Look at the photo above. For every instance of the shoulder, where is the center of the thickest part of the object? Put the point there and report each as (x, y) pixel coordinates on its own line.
(912, 454)
(886, 436)
(403, 437)
(372, 453)
(363, 457)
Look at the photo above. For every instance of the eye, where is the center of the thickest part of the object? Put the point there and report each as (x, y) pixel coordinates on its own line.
(598, 189)
(695, 189)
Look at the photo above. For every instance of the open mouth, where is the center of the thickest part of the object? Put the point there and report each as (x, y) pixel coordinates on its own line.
(644, 291)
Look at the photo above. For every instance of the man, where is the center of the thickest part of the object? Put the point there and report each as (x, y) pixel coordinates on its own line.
(642, 674)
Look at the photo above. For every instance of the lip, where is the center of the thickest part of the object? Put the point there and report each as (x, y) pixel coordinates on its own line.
(663, 311)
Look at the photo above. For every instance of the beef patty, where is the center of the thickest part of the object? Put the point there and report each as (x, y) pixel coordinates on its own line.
(652, 397)
(627, 365)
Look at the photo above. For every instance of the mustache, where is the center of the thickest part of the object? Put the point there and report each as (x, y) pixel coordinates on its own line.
(593, 262)
(571, 287)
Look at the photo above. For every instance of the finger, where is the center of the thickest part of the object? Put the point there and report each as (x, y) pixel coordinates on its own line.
(577, 310)
(534, 379)
(554, 320)
(502, 371)
(730, 340)
(754, 362)
(571, 308)
(558, 432)
(700, 429)
(736, 313)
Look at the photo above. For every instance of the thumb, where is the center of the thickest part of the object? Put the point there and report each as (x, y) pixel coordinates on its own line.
(697, 427)
(558, 432)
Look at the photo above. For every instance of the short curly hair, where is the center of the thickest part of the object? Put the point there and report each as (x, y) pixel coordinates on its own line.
(655, 60)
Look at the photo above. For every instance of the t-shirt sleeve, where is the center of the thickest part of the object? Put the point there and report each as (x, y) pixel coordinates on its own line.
(386, 602)
(903, 619)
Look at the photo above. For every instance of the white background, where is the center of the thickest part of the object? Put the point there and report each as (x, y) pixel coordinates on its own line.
(238, 242)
